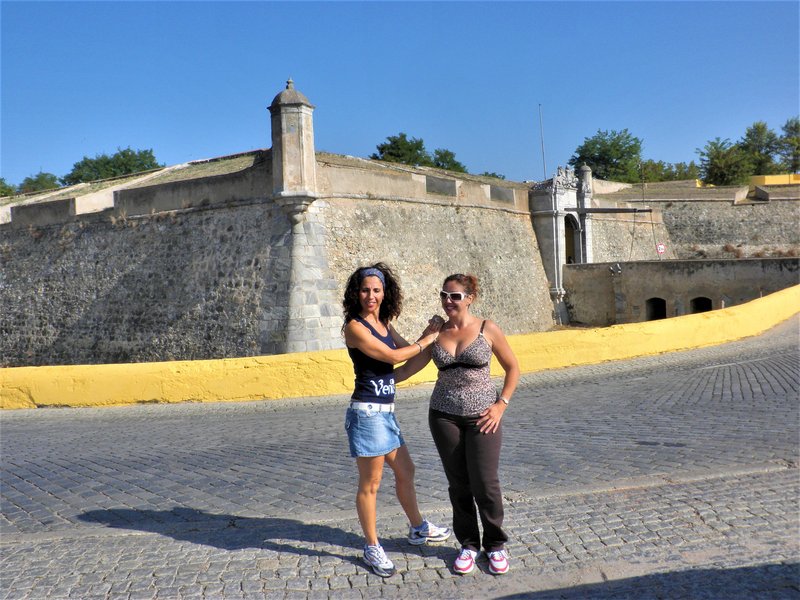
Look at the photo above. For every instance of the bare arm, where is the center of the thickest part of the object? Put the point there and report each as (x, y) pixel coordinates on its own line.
(418, 362)
(505, 356)
(490, 418)
(358, 336)
(399, 340)
(412, 366)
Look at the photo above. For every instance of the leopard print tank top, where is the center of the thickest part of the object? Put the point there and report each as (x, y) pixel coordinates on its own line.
(463, 386)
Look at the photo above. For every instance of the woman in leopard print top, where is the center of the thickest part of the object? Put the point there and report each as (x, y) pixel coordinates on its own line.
(463, 386)
(465, 420)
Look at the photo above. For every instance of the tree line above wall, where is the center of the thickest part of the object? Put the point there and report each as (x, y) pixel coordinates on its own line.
(617, 156)
(122, 162)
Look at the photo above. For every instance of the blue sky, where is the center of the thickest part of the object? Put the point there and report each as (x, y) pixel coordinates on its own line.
(193, 80)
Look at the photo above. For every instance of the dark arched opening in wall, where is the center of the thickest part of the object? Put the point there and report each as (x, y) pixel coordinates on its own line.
(700, 304)
(572, 239)
(655, 308)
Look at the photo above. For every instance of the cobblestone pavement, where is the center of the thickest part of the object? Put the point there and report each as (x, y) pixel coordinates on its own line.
(673, 476)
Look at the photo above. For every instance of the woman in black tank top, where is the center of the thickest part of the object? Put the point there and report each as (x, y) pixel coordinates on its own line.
(372, 299)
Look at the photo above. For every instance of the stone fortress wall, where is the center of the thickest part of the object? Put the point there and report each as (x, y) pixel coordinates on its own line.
(721, 246)
(630, 236)
(727, 230)
(755, 221)
(248, 255)
(601, 294)
(143, 281)
(427, 226)
(195, 266)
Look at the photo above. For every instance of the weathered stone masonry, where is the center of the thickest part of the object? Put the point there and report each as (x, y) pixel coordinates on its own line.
(249, 254)
(236, 265)
(611, 293)
(704, 229)
(192, 284)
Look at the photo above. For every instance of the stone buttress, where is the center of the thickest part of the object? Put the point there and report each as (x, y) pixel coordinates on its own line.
(314, 317)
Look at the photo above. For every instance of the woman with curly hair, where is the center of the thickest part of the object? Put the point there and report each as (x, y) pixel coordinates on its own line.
(372, 300)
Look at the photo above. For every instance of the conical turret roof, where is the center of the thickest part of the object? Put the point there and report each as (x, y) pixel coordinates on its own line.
(289, 96)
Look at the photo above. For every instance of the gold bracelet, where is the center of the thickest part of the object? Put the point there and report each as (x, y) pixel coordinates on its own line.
(505, 400)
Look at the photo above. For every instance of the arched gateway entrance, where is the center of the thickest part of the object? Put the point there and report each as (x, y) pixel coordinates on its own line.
(572, 240)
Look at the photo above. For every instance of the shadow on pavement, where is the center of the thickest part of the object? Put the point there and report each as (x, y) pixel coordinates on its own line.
(776, 580)
(231, 532)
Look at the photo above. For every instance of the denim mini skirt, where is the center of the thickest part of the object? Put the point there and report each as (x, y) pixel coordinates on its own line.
(372, 433)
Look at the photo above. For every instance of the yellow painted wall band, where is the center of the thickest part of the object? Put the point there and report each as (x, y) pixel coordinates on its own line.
(784, 179)
(331, 372)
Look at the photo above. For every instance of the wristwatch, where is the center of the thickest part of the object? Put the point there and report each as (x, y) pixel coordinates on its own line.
(505, 400)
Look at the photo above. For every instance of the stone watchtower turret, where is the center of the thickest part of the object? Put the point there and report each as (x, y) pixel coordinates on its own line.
(313, 316)
(294, 164)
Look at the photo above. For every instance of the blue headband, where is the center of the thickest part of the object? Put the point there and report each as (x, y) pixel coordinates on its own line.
(369, 272)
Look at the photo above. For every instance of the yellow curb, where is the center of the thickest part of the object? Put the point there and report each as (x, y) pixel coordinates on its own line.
(330, 372)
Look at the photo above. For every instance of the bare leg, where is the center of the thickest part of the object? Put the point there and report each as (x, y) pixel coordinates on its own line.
(370, 471)
(402, 465)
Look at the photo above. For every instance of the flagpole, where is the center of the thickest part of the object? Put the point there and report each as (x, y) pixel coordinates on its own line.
(541, 134)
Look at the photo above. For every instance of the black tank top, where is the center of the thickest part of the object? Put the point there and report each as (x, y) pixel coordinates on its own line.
(374, 378)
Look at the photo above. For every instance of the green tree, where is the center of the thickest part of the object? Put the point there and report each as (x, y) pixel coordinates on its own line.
(760, 144)
(6, 189)
(38, 183)
(492, 174)
(445, 159)
(652, 171)
(789, 145)
(123, 162)
(612, 155)
(411, 151)
(724, 163)
(684, 170)
(400, 149)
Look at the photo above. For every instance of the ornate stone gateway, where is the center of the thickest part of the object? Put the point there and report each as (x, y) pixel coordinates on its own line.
(563, 227)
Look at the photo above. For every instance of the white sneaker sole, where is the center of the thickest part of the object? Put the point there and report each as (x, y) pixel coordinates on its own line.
(427, 541)
(432, 541)
(377, 570)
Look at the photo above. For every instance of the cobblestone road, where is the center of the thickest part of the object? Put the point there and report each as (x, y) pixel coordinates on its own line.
(665, 477)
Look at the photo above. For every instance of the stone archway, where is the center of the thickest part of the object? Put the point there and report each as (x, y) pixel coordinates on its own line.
(700, 304)
(572, 240)
(655, 308)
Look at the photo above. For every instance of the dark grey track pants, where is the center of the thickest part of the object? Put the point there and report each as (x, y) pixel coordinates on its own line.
(470, 460)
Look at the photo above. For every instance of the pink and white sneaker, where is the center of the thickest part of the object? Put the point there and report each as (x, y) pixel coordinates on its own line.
(465, 561)
(498, 562)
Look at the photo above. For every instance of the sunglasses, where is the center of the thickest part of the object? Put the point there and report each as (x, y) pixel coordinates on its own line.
(454, 296)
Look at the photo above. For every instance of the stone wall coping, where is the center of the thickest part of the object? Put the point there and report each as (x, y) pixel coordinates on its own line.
(379, 165)
(427, 201)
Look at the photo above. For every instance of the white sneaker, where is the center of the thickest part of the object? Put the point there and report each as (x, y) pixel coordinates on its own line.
(427, 533)
(498, 562)
(465, 561)
(376, 559)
